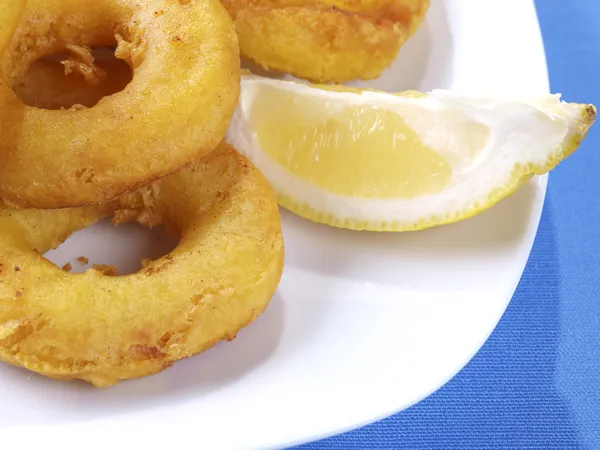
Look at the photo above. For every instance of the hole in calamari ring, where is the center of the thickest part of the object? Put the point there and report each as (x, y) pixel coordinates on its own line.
(70, 78)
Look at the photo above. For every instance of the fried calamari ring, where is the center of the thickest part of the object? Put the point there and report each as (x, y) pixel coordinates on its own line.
(185, 62)
(325, 40)
(104, 329)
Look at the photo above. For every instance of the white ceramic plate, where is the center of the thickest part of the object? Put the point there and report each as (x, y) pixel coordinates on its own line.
(363, 325)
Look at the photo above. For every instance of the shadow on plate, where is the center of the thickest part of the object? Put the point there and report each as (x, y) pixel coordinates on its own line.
(321, 249)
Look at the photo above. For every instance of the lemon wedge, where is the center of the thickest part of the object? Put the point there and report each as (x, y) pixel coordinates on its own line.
(369, 160)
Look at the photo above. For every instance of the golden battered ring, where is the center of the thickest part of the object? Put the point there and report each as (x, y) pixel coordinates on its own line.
(103, 329)
(185, 61)
(326, 40)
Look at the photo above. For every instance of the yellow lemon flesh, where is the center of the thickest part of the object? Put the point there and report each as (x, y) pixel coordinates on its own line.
(358, 151)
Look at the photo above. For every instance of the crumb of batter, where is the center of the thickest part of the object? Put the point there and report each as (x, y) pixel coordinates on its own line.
(107, 269)
(145, 262)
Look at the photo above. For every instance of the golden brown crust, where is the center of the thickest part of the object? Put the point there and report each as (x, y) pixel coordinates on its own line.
(176, 109)
(10, 12)
(325, 41)
(103, 328)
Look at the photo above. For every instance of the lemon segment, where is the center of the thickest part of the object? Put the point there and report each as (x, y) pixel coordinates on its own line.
(357, 151)
(370, 160)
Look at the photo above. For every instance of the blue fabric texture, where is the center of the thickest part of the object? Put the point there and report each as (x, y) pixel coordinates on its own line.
(536, 382)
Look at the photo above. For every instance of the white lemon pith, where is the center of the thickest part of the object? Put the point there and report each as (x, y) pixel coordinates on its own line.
(369, 160)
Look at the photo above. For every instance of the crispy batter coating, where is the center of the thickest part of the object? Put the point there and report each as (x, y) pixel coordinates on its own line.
(10, 15)
(326, 40)
(103, 329)
(185, 62)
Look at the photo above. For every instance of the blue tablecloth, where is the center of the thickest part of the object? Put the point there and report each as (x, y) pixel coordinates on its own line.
(536, 382)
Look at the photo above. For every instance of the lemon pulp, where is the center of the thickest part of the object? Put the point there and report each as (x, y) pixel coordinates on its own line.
(352, 150)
